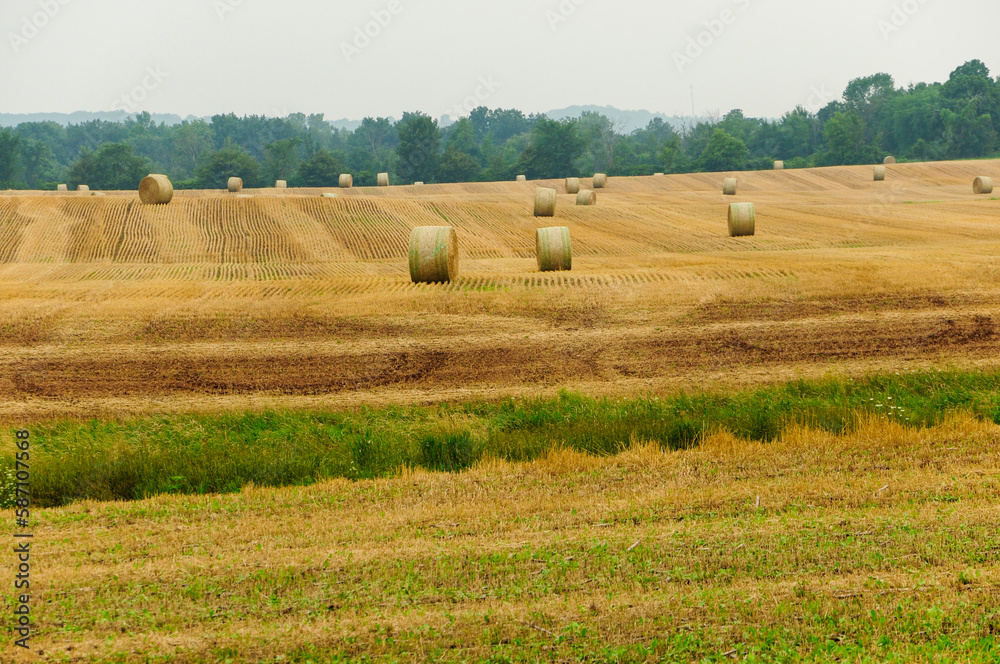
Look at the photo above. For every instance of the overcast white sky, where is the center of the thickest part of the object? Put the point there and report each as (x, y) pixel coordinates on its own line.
(271, 57)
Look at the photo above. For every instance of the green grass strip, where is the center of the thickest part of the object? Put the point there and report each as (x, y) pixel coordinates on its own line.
(133, 459)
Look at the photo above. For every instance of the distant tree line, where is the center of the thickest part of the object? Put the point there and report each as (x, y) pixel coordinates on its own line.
(954, 120)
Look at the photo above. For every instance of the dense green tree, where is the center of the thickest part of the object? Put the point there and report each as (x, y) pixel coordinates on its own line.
(462, 160)
(500, 124)
(600, 137)
(322, 170)
(113, 167)
(230, 161)
(373, 144)
(457, 166)
(671, 156)
(799, 134)
(864, 96)
(724, 153)
(38, 164)
(419, 147)
(845, 139)
(555, 146)
(10, 158)
(915, 117)
(282, 158)
(969, 133)
(190, 141)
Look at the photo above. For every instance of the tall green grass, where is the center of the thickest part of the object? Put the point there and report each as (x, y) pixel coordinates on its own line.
(111, 460)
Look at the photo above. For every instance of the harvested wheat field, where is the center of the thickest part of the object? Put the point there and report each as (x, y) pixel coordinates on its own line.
(290, 299)
(242, 352)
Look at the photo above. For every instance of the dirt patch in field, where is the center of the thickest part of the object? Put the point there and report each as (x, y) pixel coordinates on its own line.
(220, 328)
(724, 310)
(546, 360)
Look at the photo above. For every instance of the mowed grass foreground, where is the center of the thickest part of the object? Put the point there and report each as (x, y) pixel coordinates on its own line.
(880, 544)
(135, 459)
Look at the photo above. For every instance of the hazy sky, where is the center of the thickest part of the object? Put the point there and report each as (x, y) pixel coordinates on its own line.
(203, 57)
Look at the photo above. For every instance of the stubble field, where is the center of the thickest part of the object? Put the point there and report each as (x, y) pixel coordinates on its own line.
(110, 308)
(877, 542)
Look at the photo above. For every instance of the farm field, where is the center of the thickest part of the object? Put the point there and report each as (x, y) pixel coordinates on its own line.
(876, 546)
(772, 515)
(292, 300)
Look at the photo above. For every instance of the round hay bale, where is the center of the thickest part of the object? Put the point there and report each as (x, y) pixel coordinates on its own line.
(742, 219)
(600, 180)
(983, 185)
(572, 185)
(281, 184)
(554, 249)
(521, 178)
(729, 186)
(889, 160)
(879, 173)
(83, 187)
(383, 179)
(586, 197)
(418, 184)
(62, 187)
(346, 181)
(545, 202)
(235, 185)
(779, 165)
(433, 255)
(156, 190)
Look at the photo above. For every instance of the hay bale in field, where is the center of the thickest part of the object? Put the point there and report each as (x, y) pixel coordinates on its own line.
(433, 255)
(600, 180)
(779, 165)
(156, 190)
(418, 184)
(554, 249)
(742, 219)
(889, 160)
(521, 178)
(346, 181)
(62, 187)
(83, 187)
(235, 185)
(586, 197)
(545, 202)
(983, 185)
(330, 196)
(281, 184)
(879, 173)
(383, 179)
(658, 174)
(572, 185)
(729, 186)
(244, 195)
